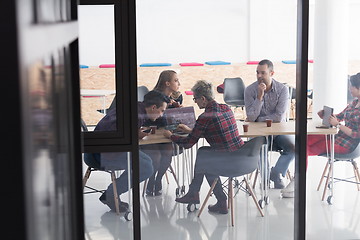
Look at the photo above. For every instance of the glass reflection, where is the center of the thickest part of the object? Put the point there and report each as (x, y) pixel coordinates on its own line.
(97, 58)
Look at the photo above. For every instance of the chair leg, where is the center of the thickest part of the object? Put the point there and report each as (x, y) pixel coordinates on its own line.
(229, 193)
(326, 183)
(231, 200)
(322, 176)
(207, 196)
(255, 179)
(116, 196)
(357, 174)
(86, 176)
(253, 196)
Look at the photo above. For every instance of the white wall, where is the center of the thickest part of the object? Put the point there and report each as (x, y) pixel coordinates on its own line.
(96, 35)
(177, 31)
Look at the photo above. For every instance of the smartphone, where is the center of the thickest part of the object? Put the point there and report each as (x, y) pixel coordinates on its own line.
(147, 130)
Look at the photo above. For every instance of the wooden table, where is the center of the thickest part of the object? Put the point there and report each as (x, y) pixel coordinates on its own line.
(158, 137)
(260, 129)
(285, 128)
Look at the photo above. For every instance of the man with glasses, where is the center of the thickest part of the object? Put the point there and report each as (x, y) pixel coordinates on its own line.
(268, 99)
(217, 125)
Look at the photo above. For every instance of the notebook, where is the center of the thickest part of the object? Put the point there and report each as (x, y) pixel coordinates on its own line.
(175, 116)
(328, 111)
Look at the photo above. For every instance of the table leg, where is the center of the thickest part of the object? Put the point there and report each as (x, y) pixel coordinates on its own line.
(332, 155)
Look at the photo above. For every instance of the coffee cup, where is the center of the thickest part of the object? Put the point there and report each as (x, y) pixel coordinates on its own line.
(268, 122)
(246, 127)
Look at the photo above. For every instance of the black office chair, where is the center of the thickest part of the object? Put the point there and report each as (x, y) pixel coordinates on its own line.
(234, 91)
(247, 162)
(91, 169)
(349, 157)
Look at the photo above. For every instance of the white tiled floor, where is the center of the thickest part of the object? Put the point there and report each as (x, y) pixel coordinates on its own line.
(163, 218)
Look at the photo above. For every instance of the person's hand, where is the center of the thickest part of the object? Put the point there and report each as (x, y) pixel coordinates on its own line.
(184, 128)
(321, 114)
(142, 134)
(261, 90)
(333, 120)
(176, 104)
(167, 133)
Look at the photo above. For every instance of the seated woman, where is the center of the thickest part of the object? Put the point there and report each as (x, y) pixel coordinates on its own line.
(348, 136)
(161, 154)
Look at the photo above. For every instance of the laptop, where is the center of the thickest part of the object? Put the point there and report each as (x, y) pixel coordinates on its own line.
(175, 116)
(328, 111)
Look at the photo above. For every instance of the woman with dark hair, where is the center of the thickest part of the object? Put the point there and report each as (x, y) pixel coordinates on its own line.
(348, 136)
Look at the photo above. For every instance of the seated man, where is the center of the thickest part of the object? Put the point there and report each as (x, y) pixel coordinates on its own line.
(152, 107)
(268, 99)
(218, 126)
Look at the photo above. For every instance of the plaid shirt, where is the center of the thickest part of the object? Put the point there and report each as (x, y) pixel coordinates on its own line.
(351, 116)
(218, 126)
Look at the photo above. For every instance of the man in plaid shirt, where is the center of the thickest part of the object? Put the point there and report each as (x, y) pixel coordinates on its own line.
(218, 126)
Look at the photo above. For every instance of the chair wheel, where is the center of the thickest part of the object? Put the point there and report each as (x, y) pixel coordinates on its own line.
(128, 216)
(191, 207)
(330, 200)
(261, 203)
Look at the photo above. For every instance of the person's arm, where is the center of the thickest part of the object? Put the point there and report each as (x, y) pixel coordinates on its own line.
(281, 108)
(193, 137)
(252, 104)
(184, 128)
(336, 123)
(341, 116)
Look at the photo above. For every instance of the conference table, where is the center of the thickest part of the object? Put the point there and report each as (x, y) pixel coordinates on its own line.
(256, 129)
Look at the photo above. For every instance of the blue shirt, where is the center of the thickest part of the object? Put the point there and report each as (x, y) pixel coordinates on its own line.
(274, 104)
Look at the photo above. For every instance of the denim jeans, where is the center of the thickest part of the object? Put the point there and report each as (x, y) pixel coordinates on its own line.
(286, 145)
(118, 161)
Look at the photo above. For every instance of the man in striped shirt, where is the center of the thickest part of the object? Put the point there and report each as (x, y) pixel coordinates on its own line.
(218, 126)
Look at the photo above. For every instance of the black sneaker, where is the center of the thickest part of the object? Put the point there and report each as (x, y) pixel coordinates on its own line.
(123, 206)
(219, 207)
(276, 178)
